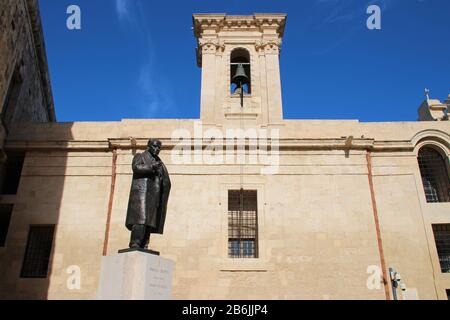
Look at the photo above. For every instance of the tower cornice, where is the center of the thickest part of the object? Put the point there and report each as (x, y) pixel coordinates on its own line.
(221, 22)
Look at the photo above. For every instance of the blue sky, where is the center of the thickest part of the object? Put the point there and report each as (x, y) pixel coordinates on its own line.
(136, 58)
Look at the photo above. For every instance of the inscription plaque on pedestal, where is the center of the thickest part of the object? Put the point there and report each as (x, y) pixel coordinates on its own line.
(135, 275)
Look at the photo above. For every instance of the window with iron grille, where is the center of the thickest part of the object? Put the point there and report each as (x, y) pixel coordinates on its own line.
(242, 224)
(433, 168)
(5, 218)
(442, 238)
(37, 254)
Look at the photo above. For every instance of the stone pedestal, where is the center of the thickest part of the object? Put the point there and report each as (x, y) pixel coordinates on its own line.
(135, 275)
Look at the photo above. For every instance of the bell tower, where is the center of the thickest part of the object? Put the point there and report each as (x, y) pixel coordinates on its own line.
(239, 57)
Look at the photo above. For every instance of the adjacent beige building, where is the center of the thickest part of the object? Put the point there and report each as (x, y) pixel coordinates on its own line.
(323, 214)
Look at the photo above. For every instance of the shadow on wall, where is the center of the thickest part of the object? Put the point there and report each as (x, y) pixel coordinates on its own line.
(32, 185)
(29, 203)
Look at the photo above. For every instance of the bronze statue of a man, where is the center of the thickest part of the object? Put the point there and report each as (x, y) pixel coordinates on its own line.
(148, 196)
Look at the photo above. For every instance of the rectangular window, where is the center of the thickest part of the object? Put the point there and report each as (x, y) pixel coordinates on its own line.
(11, 173)
(37, 253)
(448, 294)
(5, 218)
(442, 238)
(242, 224)
(12, 97)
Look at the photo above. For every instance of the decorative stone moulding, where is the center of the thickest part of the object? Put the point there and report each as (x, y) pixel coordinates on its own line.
(207, 27)
(217, 22)
(269, 46)
(211, 45)
(283, 144)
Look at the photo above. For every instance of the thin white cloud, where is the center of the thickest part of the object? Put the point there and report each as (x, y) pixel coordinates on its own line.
(347, 10)
(347, 15)
(155, 91)
(123, 9)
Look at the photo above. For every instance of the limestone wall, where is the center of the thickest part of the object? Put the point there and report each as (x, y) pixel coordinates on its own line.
(289, 129)
(317, 235)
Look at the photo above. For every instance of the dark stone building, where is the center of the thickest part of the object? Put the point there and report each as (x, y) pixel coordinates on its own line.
(25, 90)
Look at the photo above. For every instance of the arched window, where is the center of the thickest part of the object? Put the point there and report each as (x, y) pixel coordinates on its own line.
(240, 56)
(433, 168)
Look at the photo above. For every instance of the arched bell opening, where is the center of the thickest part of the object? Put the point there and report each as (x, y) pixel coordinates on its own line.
(240, 75)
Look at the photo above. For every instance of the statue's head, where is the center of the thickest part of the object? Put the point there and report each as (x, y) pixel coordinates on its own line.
(154, 146)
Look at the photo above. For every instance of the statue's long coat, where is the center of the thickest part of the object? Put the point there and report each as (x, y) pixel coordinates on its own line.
(149, 193)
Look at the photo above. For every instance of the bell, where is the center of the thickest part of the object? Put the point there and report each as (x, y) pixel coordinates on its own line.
(240, 78)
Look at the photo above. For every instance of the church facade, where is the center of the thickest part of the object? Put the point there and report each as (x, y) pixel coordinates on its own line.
(260, 208)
